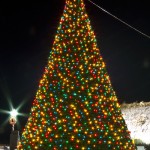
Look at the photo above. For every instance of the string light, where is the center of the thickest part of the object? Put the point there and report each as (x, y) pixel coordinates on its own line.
(75, 106)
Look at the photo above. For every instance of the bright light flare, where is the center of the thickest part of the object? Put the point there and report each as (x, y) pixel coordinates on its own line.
(11, 112)
(14, 113)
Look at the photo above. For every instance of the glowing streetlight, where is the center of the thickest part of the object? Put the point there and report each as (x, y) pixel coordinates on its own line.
(14, 136)
(14, 113)
(13, 120)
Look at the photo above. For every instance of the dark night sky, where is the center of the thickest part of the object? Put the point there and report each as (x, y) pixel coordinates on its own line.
(27, 31)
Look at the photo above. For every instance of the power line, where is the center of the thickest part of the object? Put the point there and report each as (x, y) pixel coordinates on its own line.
(119, 19)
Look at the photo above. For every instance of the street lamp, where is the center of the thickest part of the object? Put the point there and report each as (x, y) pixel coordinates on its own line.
(14, 136)
(14, 113)
(13, 120)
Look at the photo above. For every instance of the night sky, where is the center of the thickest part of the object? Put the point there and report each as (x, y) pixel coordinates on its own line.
(27, 31)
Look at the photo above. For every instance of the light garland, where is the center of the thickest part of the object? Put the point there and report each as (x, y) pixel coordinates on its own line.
(75, 106)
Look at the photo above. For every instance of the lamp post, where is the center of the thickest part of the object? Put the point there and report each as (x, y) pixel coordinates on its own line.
(14, 136)
(12, 121)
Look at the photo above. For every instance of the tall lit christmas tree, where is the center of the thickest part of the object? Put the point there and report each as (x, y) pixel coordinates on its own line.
(75, 106)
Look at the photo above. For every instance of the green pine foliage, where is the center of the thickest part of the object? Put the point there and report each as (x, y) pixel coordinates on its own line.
(75, 105)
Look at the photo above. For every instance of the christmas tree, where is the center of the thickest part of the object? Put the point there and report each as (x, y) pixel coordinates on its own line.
(75, 106)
